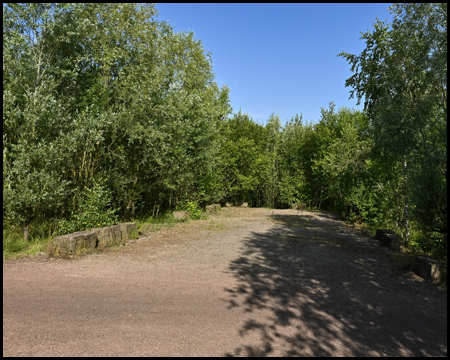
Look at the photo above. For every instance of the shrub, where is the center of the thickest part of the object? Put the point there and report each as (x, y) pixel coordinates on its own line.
(195, 211)
(93, 211)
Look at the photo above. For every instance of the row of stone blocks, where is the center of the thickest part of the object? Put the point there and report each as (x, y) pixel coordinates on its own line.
(98, 238)
(426, 267)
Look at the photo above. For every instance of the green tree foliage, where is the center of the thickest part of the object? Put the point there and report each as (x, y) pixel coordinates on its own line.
(105, 90)
(94, 210)
(32, 156)
(243, 160)
(292, 182)
(340, 162)
(402, 73)
(272, 173)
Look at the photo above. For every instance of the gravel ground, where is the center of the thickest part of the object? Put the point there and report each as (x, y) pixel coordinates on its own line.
(245, 282)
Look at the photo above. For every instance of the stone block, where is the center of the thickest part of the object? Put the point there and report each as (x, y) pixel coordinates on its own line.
(358, 220)
(126, 229)
(298, 206)
(78, 242)
(181, 215)
(431, 269)
(108, 236)
(388, 238)
(212, 208)
(381, 232)
(393, 241)
(75, 243)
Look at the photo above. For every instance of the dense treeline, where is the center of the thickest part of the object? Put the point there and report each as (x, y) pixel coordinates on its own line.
(104, 96)
(108, 114)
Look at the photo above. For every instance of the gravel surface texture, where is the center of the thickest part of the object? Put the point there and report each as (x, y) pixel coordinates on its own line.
(245, 282)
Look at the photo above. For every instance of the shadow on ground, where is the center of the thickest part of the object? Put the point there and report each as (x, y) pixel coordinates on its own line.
(322, 290)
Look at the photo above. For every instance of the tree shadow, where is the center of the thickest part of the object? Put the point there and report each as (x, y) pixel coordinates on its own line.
(308, 287)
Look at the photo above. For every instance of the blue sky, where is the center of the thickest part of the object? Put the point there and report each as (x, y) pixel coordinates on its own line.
(279, 58)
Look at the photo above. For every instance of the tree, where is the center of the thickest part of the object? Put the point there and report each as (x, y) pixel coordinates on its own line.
(104, 91)
(340, 164)
(32, 155)
(271, 173)
(243, 160)
(402, 73)
(291, 165)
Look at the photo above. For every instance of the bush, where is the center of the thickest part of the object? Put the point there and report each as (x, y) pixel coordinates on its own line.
(93, 211)
(429, 243)
(195, 211)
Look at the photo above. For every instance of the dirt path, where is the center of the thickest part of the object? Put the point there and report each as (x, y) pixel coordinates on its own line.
(245, 282)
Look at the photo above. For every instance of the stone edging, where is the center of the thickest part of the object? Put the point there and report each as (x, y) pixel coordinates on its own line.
(98, 238)
(426, 267)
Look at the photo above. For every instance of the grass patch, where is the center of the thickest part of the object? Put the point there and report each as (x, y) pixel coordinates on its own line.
(15, 247)
(42, 233)
(134, 234)
(147, 224)
(215, 226)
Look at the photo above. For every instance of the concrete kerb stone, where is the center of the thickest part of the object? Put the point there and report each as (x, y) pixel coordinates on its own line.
(431, 269)
(108, 236)
(382, 232)
(426, 267)
(75, 243)
(212, 208)
(181, 215)
(80, 241)
(388, 238)
(299, 206)
(392, 241)
(126, 229)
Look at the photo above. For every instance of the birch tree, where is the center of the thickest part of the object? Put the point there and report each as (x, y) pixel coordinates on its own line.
(402, 76)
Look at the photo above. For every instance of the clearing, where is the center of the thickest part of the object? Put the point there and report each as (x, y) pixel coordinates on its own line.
(245, 282)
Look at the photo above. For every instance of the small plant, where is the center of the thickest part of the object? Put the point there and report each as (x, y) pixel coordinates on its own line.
(134, 234)
(195, 211)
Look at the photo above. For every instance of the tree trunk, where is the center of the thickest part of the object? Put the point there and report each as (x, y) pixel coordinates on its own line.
(406, 209)
(25, 231)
